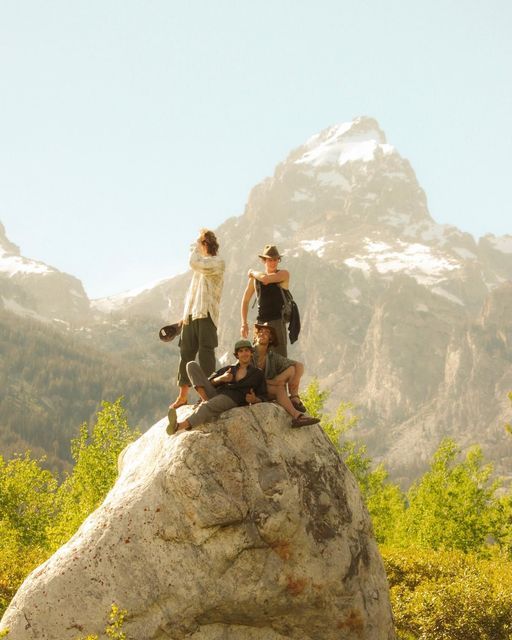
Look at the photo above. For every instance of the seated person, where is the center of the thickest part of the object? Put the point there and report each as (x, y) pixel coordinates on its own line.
(280, 372)
(236, 385)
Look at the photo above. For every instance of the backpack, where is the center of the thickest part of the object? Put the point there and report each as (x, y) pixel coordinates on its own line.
(289, 311)
(288, 302)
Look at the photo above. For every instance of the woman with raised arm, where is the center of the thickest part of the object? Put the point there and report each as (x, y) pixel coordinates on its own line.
(267, 285)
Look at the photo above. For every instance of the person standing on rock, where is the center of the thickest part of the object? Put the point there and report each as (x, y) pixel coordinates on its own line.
(201, 311)
(280, 373)
(267, 285)
(236, 385)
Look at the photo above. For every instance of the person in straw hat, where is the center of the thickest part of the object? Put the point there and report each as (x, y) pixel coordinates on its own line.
(280, 374)
(267, 285)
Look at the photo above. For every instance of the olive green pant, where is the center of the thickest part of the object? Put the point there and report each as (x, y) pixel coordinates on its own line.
(198, 338)
(217, 402)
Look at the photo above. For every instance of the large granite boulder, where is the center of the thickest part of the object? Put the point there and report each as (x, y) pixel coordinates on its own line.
(243, 529)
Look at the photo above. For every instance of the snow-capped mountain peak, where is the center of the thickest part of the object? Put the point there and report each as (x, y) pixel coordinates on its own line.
(34, 289)
(360, 139)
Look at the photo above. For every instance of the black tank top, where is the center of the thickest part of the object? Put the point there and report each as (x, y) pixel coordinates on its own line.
(270, 302)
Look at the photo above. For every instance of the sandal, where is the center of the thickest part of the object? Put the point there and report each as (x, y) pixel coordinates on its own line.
(304, 420)
(173, 421)
(297, 403)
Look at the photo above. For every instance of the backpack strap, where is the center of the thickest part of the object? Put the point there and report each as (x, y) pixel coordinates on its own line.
(257, 287)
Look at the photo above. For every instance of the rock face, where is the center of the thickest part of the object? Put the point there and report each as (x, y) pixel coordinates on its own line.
(244, 529)
(33, 289)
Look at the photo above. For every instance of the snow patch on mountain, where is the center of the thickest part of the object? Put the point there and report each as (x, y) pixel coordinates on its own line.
(396, 175)
(301, 195)
(420, 261)
(396, 219)
(315, 246)
(14, 265)
(439, 291)
(333, 179)
(348, 142)
(116, 302)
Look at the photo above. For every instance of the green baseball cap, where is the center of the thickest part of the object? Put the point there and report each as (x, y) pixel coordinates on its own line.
(241, 344)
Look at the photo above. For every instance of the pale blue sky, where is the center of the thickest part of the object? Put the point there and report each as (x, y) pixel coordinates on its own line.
(125, 126)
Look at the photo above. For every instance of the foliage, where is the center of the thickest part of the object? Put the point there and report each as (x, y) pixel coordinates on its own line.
(314, 398)
(449, 595)
(16, 561)
(37, 515)
(95, 471)
(27, 506)
(27, 497)
(508, 426)
(453, 506)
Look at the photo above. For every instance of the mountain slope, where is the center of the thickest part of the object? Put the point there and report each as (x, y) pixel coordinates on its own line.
(51, 382)
(405, 317)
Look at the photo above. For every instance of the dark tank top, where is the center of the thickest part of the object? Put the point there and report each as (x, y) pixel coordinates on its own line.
(270, 302)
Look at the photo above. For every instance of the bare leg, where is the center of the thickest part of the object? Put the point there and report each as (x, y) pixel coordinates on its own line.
(294, 383)
(276, 388)
(201, 393)
(282, 398)
(182, 396)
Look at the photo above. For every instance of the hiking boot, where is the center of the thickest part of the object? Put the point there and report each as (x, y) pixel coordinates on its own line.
(297, 403)
(303, 421)
(173, 421)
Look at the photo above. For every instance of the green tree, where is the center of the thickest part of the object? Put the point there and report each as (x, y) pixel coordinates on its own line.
(27, 498)
(453, 506)
(449, 595)
(508, 426)
(27, 507)
(96, 453)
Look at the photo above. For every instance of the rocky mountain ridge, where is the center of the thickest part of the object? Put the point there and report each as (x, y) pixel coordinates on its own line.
(402, 316)
(33, 289)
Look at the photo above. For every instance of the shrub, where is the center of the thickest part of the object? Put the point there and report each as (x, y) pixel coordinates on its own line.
(449, 595)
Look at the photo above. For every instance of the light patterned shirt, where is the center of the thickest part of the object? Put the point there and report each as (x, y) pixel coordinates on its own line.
(205, 290)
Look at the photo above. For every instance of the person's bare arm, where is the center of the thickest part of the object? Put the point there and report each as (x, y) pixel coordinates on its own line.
(248, 293)
(281, 276)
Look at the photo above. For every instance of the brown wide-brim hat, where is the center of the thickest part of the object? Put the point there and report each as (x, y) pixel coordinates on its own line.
(273, 335)
(168, 333)
(270, 251)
